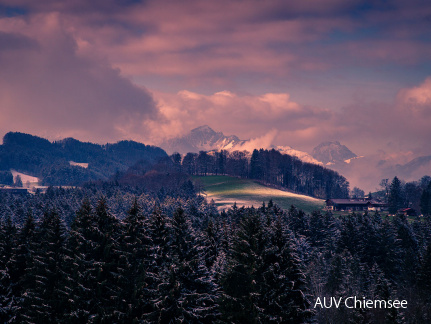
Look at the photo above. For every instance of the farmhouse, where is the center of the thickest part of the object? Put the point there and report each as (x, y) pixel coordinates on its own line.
(360, 204)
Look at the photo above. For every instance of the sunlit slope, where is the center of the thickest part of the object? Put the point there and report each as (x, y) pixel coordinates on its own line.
(225, 190)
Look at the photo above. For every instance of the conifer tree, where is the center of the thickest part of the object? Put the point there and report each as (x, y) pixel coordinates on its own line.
(20, 265)
(240, 299)
(22, 256)
(95, 259)
(263, 282)
(44, 300)
(7, 300)
(135, 243)
(188, 293)
(159, 231)
(283, 291)
(395, 198)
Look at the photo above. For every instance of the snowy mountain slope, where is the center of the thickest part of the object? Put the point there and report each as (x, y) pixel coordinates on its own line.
(204, 138)
(333, 152)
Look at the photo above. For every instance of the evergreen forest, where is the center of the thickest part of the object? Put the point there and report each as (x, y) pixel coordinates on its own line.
(113, 253)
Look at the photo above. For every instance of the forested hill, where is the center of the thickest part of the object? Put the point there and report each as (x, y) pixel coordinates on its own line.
(51, 161)
(270, 167)
(71, 162)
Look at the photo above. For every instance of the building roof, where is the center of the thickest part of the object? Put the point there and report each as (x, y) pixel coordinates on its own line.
(352, 201)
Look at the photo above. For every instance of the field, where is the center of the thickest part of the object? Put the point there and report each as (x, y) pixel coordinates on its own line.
(225, 191)
(27, 180)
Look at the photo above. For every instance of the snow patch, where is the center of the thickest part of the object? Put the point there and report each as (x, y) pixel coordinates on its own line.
(353, 158)
(82, 165)
(25, 178)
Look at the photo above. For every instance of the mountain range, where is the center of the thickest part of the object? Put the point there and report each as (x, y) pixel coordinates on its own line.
(204, 138)
(361, 171)
(78, 161)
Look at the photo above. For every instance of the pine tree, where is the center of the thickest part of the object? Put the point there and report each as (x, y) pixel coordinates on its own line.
(210, 244)
(159, 231)
(283, 289)
(95, 266)
(395, 198)
(240, 299)
(7, 301)
(424, 275)
(43, 301)
(425, 201)
(408, 249)
(22, 255)
(188, 294)
(21, 263)
(135, 243)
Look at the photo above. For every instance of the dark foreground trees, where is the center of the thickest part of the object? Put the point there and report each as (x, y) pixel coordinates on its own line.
(183, 262)
(154, 268)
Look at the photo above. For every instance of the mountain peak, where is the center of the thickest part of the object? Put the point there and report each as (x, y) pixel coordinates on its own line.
(332, 152)
(203, 128)
(204, 138)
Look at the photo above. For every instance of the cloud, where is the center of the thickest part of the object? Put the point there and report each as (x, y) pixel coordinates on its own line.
(218, 42)
(265, 142)
(71, 68)
(48, 88)
(417, 99)
(244, 115)
(400, 125)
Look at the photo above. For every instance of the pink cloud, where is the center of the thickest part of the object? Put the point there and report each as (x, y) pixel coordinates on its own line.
(48, 88)
(247, 116)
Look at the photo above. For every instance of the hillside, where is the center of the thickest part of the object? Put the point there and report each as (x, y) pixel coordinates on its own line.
(226, 190)
(69, 161)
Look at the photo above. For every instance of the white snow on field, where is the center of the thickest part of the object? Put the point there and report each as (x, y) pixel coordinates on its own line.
(25, 178)
(82, 165)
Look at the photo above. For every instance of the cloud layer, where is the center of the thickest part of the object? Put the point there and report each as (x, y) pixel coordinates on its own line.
(48, 88)
(292, 73)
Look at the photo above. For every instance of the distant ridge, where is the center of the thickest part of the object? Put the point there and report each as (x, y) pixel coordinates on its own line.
(51, 161)
(204, 138)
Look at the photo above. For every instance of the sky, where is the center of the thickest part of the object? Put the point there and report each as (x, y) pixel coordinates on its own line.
(293, 73)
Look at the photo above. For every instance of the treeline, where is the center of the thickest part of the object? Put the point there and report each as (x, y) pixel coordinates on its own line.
(167, 194)
(191, 264)
(149, 268)
(414, 194)
(269, 166)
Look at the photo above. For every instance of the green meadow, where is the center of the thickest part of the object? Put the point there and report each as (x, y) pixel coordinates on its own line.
(226, 190)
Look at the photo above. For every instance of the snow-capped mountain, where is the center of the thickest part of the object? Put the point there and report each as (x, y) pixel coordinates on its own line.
(204, 138)
(303, 156)
(333, 152)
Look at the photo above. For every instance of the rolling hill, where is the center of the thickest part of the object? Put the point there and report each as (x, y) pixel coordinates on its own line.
(226, 190)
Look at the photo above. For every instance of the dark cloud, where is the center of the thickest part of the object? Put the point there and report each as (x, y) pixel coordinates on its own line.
(54, 90)
(14, 41)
